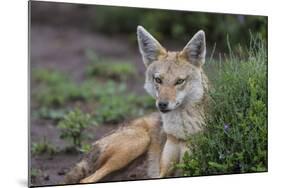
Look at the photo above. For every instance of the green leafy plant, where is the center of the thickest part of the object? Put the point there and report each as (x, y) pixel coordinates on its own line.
(235, 140)
(73, 125)
(43, 147)
(34, 173)
(47, 76)
(85, 148)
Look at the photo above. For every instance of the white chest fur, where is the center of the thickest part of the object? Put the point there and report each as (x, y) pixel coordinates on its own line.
(181, 123)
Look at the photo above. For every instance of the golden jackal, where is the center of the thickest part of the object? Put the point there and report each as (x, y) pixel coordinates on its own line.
(177, 82)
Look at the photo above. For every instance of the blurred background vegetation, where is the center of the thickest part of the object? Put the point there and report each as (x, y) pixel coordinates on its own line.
(167, 26)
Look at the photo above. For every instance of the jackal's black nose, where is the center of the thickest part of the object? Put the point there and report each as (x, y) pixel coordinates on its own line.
(162, 105)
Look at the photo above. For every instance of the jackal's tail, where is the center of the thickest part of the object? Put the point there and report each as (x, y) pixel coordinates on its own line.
(85, 167)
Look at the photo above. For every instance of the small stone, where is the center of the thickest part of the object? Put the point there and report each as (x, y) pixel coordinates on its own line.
(61, 172)
(46, 177)
(132, 175)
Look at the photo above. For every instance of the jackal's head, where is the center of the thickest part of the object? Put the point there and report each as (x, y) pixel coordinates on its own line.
(174, 79)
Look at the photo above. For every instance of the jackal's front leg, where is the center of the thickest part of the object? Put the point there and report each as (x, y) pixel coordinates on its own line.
(170, 156)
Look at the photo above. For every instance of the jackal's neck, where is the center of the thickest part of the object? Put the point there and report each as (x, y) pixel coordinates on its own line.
(183, 122)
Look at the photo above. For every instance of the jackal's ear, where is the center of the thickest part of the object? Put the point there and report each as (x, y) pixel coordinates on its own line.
(195, 50)
(149, 47)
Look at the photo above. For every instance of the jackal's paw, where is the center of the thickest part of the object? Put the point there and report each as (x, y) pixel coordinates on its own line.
(85, 181)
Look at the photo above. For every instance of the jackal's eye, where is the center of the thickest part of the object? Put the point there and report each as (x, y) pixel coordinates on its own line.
(179, 81)
(157, 80)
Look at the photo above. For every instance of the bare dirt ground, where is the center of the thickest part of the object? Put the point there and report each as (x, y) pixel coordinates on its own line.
(63, 49)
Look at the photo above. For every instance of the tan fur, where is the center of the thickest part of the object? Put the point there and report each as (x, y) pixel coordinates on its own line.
(162, 136)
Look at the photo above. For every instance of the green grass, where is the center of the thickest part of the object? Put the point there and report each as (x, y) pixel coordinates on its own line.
(235, 140)
(108, 68)
(50, 113)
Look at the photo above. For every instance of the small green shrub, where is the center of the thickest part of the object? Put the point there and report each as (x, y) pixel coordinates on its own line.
(116, 104)
(114, 109)
(108, 89)
(49, 113)
(235, 140)
(48, 76)
(34, 173)
(73, 125)
(146, 102)
(43, 147)
(113, 69)
(55, 88)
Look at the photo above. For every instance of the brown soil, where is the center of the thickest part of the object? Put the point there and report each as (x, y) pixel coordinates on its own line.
(63, 49)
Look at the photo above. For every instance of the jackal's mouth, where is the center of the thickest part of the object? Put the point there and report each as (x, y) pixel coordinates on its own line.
(165, 111)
